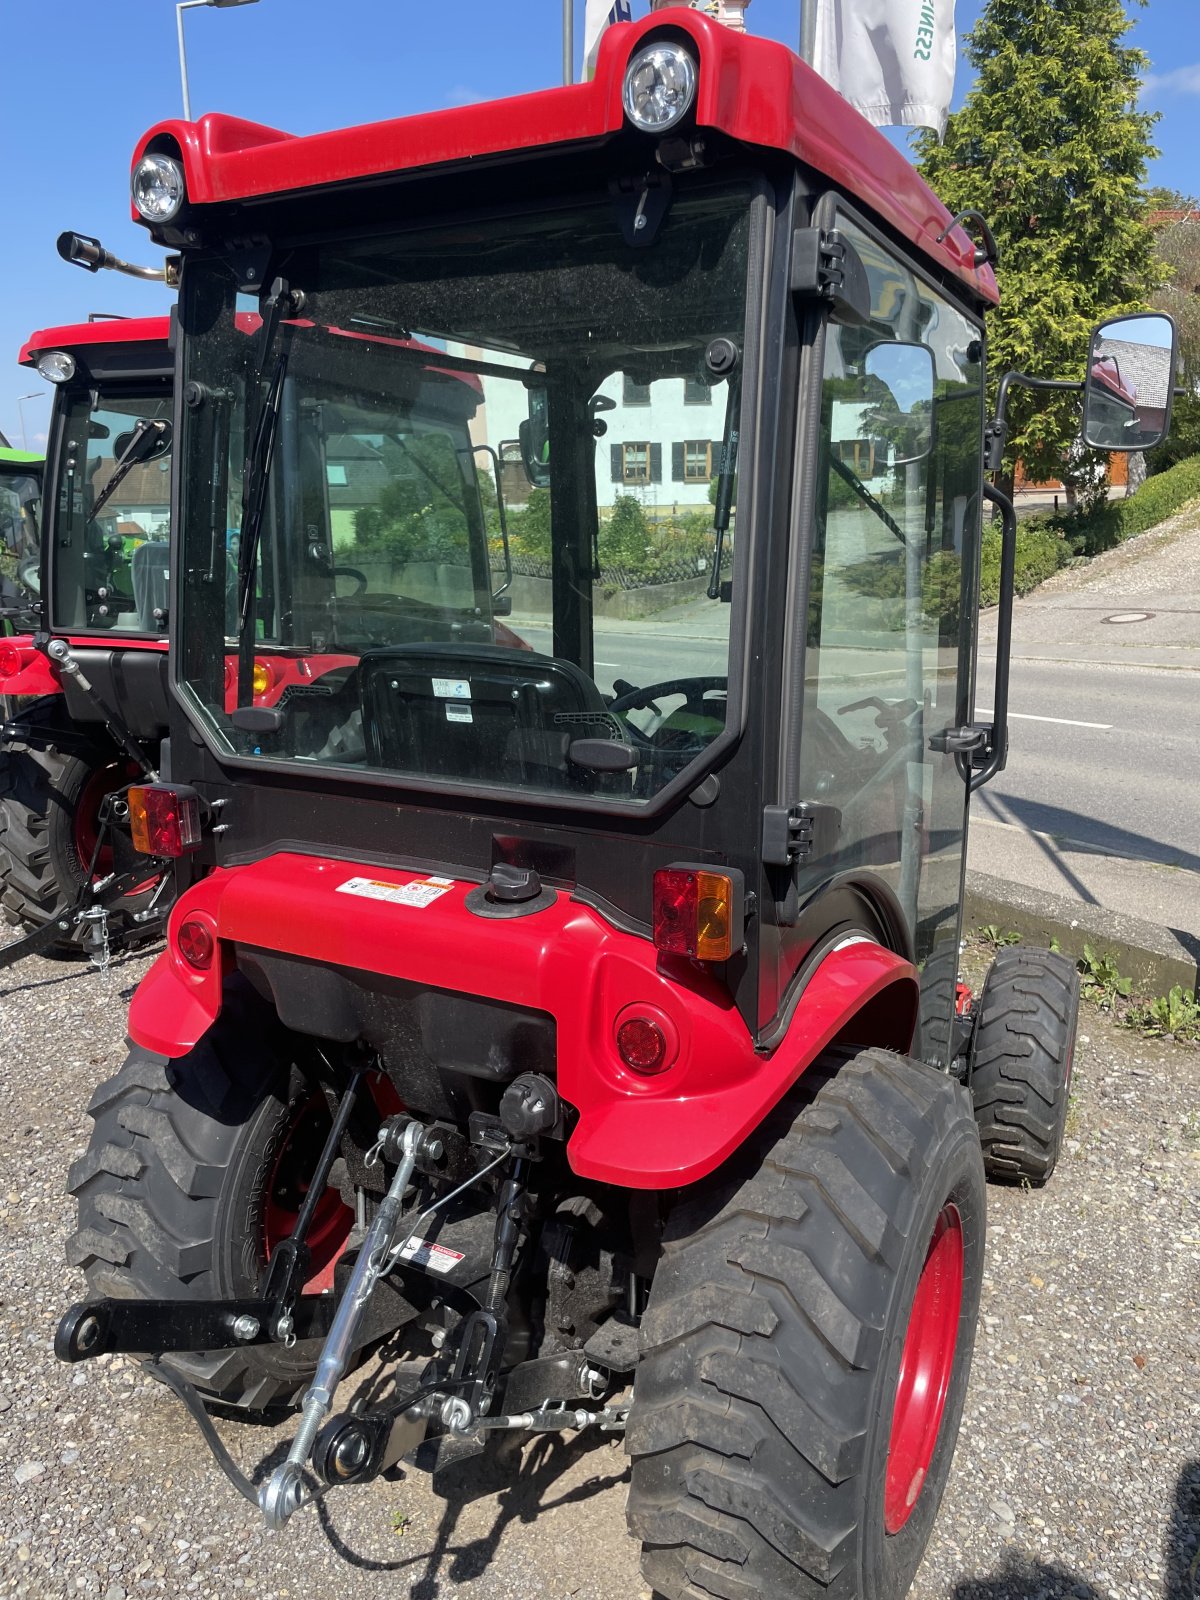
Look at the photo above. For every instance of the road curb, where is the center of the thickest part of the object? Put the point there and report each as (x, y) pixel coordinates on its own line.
(1153, 957)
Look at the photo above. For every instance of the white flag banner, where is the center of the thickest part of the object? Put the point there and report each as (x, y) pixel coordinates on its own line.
(601, 14)
(893, 60)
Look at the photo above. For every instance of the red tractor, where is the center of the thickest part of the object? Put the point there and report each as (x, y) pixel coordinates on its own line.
(578, 1023)
(85, 680)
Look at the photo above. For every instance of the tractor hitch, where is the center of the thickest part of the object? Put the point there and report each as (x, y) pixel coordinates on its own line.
(156, 1327)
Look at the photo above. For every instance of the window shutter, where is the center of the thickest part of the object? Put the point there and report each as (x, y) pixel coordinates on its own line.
(656, 463)
(677, 472)
(618, 467)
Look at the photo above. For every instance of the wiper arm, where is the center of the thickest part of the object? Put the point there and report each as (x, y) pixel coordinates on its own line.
(126, 461)
(725, 481)
(848, 475)
(254, 503)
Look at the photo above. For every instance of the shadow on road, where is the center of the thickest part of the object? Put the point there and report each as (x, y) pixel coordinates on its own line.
(1182, 1552)
(1085, 833)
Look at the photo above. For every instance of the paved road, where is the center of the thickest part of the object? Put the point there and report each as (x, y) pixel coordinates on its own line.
(1101, 799)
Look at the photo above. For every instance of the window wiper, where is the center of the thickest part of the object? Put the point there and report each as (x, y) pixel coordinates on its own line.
(280, 299)
(254, 503)
(140, 447)
(728, 473)
(848, 475)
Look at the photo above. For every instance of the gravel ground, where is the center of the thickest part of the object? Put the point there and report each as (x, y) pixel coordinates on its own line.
(1077, 1474)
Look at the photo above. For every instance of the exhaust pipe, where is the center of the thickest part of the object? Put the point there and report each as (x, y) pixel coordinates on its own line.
(90, 254)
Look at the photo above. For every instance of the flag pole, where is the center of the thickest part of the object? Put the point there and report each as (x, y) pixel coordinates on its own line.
(568, 41)
(808, 30)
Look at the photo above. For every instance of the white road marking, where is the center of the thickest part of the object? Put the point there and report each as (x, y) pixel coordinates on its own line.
(1062, 722)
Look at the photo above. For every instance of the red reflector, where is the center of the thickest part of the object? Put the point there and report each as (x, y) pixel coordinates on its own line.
(676, 899)
(195, 944)
(642, 1045)
(12, 660)
(163, 821)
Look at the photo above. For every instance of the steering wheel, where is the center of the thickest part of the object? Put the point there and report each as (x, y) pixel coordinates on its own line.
(693, 691)
(360, 579)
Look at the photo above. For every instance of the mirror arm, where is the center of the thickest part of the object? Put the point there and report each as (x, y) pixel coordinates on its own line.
(998, 757)
(995, 435)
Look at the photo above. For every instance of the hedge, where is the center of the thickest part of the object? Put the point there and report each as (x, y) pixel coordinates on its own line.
(1044, 544)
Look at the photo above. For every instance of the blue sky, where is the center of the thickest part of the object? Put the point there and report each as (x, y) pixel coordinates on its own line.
(84, 79)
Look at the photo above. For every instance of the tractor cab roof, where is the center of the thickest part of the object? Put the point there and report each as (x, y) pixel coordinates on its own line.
(80, 335)
(753, 90)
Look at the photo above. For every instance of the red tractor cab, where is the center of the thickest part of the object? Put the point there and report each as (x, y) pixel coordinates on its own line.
(582, 1020)
(94, 585)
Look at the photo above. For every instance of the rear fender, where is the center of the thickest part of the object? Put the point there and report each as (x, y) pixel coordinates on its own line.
(24, 670)
(640, 1132)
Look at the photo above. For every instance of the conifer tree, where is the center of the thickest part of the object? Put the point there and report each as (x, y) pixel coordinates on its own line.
(1051, 147)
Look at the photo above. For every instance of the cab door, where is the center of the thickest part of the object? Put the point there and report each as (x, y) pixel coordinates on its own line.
(891, 609)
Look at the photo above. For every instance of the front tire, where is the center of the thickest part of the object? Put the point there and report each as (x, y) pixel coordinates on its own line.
(805, 1357)
(1021, 1064)
(185, 1179)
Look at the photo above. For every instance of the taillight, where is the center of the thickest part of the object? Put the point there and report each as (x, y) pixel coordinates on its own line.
(12, 660)
(195, 944)
(697, 913)
(164, 821)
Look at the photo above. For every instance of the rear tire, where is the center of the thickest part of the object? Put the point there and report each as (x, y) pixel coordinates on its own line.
(174, 1190)
(1021, 1067)
(761, 1431)
(42, 869)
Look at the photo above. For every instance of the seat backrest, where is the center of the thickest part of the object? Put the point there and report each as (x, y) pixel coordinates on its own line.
(148, 566)
(479, 713)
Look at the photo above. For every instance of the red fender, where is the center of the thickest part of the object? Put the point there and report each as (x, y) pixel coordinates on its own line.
(640, 1132)
(24, 670)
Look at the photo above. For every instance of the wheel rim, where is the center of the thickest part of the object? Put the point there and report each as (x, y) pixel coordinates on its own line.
(86, 825)
(926, 1367)
(287, 1187)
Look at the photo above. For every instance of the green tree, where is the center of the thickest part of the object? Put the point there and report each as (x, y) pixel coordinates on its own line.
(1051, 147)
(1178, 249)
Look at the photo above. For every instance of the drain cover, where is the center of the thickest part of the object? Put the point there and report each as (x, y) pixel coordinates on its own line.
(1130, 616)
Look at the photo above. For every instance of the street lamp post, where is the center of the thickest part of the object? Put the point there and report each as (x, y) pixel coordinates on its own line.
(21, 399)
(181, 7)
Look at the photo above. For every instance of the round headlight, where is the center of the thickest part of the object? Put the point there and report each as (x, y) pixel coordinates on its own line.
(157, 187)
(660, 87)
(57, 366)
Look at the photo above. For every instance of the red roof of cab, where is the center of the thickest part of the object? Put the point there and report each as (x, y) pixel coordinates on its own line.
(753, 89)
(115, 330)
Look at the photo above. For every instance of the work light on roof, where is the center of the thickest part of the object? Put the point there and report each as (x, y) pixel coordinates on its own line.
(157, 186)
(57, 366)
(660, 87)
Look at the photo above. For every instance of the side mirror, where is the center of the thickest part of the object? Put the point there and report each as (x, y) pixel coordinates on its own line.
(534, 435)
(1130, 382)
(900, 399)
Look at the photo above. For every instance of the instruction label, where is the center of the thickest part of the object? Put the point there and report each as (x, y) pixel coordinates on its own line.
(434, 1257)
(452, 688)
(421, 892)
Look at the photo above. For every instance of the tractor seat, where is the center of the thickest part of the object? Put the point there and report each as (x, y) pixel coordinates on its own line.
(148, 569)
(479, 714)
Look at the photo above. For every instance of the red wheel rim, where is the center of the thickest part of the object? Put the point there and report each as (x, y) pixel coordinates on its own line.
(287, 1187)
(104, 781)
(926, 1367)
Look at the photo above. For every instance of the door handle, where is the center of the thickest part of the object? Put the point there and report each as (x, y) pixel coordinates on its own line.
(967, 741)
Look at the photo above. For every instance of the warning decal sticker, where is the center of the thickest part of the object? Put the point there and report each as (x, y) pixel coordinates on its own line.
(433, 1257)
(421, 892)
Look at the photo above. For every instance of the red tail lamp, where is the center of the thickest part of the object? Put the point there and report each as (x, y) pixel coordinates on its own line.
(195, 944)
(646, 1038)
(12, 660)
(164, 820)
(698, 913)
